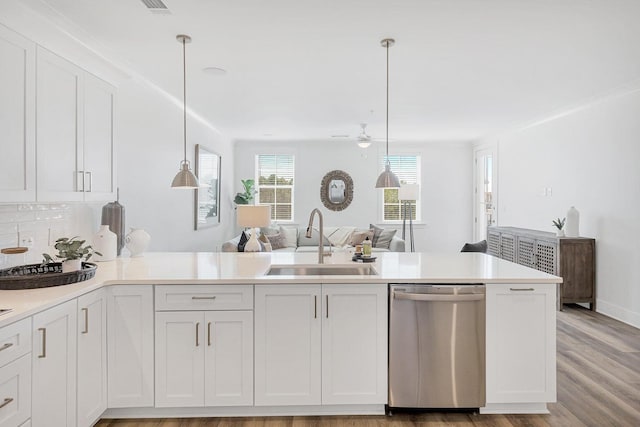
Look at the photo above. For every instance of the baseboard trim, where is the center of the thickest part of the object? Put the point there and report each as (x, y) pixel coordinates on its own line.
(619, 313)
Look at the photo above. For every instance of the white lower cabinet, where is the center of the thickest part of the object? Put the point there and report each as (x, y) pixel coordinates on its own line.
(204, 358)
(130, 346)
(54, 366)
(321, 344)
(92, 357)
(15, 392)
(521, 343)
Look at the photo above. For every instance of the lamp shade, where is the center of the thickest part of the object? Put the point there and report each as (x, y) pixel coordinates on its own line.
(387, 179)
(185, 179)
(409, 192)
(254, 216)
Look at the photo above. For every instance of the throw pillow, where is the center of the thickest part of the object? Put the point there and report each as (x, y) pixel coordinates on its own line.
(278, 241)
(357, 237)
(480, 246)
(243, 241)
(382, 237)
(290, 235)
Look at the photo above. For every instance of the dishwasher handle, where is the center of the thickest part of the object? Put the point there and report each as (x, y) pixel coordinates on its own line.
(437, 297)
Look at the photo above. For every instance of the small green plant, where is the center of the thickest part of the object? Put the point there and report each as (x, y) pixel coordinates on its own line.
(559, 223)
(246, 197)
(70, 249)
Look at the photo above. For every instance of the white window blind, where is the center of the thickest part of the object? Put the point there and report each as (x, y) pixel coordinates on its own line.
(407, 169)
(274, 175)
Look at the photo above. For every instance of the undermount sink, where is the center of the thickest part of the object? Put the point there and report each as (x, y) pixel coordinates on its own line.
(321, 270)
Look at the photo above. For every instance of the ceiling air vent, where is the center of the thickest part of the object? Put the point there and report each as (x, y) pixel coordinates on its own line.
(156, 6)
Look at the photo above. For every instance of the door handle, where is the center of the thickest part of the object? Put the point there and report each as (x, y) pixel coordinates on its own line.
(522, 289)
(7, 400)
(209, 334)
(79, 179)
(315, 306)
(6, 346)
(86, 320)
(438, 297)
(44, 343)
(327, 300)
(197, 334)
(194, 297)
(90, 182)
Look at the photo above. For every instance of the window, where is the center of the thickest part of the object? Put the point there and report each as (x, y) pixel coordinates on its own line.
(275, 184)
(407, 169)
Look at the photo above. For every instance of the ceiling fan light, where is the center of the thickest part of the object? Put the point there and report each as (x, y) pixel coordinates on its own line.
(364, 144)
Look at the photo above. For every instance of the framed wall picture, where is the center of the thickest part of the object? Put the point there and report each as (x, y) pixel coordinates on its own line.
(207, 197)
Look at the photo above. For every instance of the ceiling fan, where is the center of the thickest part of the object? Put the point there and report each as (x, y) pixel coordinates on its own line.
(364, 139)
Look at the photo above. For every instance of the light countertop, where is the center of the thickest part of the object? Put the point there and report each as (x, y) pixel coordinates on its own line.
(250, 268)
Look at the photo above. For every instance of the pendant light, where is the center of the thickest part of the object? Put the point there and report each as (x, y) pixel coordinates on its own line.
(185, 179)
(387, 179)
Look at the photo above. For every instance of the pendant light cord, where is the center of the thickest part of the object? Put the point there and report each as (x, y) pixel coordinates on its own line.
(184, 95)
(387, 47)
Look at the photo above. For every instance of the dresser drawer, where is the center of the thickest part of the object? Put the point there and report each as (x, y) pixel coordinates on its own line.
(15, 392)
(204, 297)
(15, 340)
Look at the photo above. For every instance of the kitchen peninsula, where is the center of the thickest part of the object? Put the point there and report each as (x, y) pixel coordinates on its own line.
(211, 334)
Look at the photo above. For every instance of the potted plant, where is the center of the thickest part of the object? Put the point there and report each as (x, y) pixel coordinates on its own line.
(72, 252)
(559, 224)
(246, 197)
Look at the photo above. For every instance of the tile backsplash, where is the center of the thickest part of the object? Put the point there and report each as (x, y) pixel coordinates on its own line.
(36, 226)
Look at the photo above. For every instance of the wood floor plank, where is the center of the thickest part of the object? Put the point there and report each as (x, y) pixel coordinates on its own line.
(598, 376)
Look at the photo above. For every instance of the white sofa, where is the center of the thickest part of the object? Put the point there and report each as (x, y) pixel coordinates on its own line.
(334, 236)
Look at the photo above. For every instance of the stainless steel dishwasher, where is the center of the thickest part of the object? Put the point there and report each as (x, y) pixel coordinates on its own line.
(436, 346)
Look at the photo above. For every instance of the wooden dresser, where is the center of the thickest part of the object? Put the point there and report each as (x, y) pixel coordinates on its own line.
(572, 258)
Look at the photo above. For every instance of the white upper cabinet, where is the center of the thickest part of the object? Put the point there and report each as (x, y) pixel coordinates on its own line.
(75, 156)
(17, 118)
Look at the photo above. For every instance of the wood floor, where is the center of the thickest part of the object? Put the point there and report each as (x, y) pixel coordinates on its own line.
(598, 385)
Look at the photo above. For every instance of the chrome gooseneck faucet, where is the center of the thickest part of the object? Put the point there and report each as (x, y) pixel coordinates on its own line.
(321, 230)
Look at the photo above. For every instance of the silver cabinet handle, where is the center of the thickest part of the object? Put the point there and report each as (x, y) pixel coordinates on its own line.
(209, 334)
(203, 297)
(86, 320)
(327, 299)
(90, 182)
(437, 297)
(7, 400)
(315, 306)
(44, 343)
(197, 334)
(79, 179)
(522, 289)
(6, 346)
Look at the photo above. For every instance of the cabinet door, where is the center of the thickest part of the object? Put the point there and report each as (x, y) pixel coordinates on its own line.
(17, 118)
(526, 252)
(180, 359)
(99, 167)
(54, 366)
(508, 247)
(59, 129)
(493, 242)
(287, 345)
(92, 357)
(354, 344)
(229, 358)
(130, 346)
(15, 392)
(521, 343)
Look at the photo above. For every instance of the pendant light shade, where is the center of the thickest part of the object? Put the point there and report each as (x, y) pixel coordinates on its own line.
(387, 179)
(185, 179)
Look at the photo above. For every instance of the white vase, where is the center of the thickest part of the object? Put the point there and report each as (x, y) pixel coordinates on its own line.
(71, 265)
(137, 241)
(560, 233)
(573, 222)
(105, 242)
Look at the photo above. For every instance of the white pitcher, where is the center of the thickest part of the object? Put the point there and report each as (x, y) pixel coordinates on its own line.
(105, 242)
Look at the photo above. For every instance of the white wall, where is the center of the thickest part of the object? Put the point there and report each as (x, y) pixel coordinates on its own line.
(446, 194)
(590, 160)
(150, 148)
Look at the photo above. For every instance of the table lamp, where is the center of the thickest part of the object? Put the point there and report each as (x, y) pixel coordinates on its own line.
(253, 216)
(407, 193)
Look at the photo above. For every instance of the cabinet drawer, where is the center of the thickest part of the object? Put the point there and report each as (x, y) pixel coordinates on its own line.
(204, 297)
(15, 340)
(15, 392)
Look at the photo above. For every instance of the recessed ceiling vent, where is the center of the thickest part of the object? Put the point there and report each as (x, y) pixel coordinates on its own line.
(156, 6)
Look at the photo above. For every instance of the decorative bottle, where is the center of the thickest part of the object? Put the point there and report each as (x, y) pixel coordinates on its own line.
(366, 247)
(573, 222)
(106, 242)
